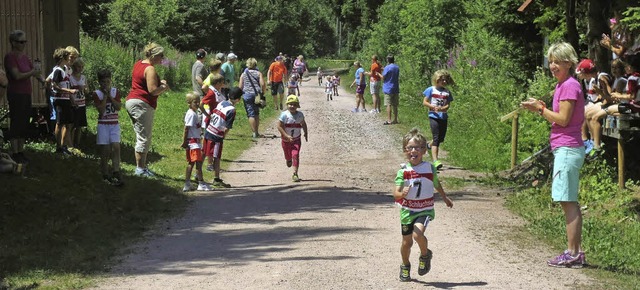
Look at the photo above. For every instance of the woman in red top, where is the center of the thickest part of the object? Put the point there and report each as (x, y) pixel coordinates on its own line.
(19, 69)
(142, 100)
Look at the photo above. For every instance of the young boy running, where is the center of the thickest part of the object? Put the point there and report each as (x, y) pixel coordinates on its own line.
(415, 183)
(221, 122)
(107, 102)
(291, 126)
(191, 142)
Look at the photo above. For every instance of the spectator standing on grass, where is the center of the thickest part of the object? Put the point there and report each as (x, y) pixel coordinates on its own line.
(108, 103)
(229, 73)
(20, 69)
(375, 78)
(192, 144)
(253, 86)
(210, 101)
(360, 86)
(416, 182)
(391, 89)
(221, 122)
(438, 99)
(64, 100)
(276, 76)
(198, 72)
(566, 117)
(142, 101)
(78, 82)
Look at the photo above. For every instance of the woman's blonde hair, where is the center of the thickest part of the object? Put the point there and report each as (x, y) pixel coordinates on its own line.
(214, 64)
(152, 49)
(562, 51)
(415, 135)
(443, 73)
(252, 62)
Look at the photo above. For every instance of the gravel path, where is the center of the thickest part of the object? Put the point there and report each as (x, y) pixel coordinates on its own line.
(338, 228)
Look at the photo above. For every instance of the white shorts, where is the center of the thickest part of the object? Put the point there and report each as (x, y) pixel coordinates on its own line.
(374, 88)
(107, 134)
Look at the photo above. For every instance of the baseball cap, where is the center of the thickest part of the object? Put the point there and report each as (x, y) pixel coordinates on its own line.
(232, 56)
(220, 56)
(585, 66)
(279, 57)
(293, 99)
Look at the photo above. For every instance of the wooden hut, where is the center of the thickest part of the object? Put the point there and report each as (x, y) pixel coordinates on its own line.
(48, 24)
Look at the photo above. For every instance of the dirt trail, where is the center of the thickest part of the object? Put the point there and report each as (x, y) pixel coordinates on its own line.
(338, 228)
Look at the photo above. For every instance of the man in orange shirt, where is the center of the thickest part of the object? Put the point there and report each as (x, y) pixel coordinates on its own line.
(375, 75)
(276, 76)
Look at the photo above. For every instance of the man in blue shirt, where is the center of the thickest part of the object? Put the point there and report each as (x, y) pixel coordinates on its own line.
(391, 89)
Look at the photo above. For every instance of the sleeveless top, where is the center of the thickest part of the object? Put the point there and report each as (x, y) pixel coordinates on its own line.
(139, 88)
(110, 115)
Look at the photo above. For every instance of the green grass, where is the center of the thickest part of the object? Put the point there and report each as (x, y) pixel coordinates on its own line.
(61, 225)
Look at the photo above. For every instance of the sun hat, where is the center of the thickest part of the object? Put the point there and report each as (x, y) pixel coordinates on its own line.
(293, 99)
(232, 56)
(586, 66)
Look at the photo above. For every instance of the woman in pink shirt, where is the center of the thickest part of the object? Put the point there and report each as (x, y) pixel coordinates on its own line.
(142, 101)
(566, 117)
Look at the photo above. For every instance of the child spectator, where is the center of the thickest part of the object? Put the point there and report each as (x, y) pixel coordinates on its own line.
(293, 84)
(416, 182)
(438, 99)
(215, 66)
(107, 102)
(210, 101)
(336, 83)
(320, 76)
(63, 101)
(78, 82)
(291, 126)
(328, 88)
(630, 99)
(191, 142)
(221, 122)
(597, 86)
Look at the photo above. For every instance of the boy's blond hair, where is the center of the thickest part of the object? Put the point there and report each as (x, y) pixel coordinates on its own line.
(191, 96)
(216, 79)
(60, 54)
(439, 74)
(415, 135)
(72, 51)
(214, 64)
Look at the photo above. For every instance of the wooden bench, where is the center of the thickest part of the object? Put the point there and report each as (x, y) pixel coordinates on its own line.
(622, 128)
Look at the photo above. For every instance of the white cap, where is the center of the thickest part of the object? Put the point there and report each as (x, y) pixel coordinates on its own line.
(232, 56)
(220, 56)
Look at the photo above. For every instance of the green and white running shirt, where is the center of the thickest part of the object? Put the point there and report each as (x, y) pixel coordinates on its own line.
(421, 180)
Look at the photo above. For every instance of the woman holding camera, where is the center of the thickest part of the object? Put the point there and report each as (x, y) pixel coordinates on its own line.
(253, 86)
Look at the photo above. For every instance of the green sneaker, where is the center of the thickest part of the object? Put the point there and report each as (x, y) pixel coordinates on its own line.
(217, 182)
(424, 265)
(437, 164)
(295, 178)
(405, 273)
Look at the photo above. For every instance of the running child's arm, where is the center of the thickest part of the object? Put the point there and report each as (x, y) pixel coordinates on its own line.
(304, 129)
(400, 192)
(283, 132)
(444, 196)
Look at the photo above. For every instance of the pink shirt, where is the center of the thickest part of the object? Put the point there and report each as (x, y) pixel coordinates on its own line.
(571, 135)
(23, 64)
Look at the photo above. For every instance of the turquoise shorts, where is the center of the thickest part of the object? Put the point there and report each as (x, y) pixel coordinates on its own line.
(566, 173)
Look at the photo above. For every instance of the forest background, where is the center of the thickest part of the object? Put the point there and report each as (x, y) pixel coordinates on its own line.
(494, 52)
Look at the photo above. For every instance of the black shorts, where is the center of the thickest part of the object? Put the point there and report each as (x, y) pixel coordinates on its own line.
(80, 117)
(20, 114)
(64, 111)
(438, 130)
(277, 88)
(408, 229)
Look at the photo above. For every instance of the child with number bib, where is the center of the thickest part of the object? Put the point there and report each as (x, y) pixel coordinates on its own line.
(107, 102)
(291, 126)
(416, 182)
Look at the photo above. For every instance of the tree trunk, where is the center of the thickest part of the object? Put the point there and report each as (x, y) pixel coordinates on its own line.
(572, 30)
(598, 15)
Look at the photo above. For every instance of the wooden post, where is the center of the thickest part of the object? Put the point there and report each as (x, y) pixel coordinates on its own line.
(621, 163)
(514, 141)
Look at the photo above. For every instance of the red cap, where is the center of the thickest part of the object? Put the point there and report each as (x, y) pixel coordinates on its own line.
(586, 66)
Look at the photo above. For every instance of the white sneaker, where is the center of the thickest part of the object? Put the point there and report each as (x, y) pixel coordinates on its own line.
(187, 187)
(204, 187)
